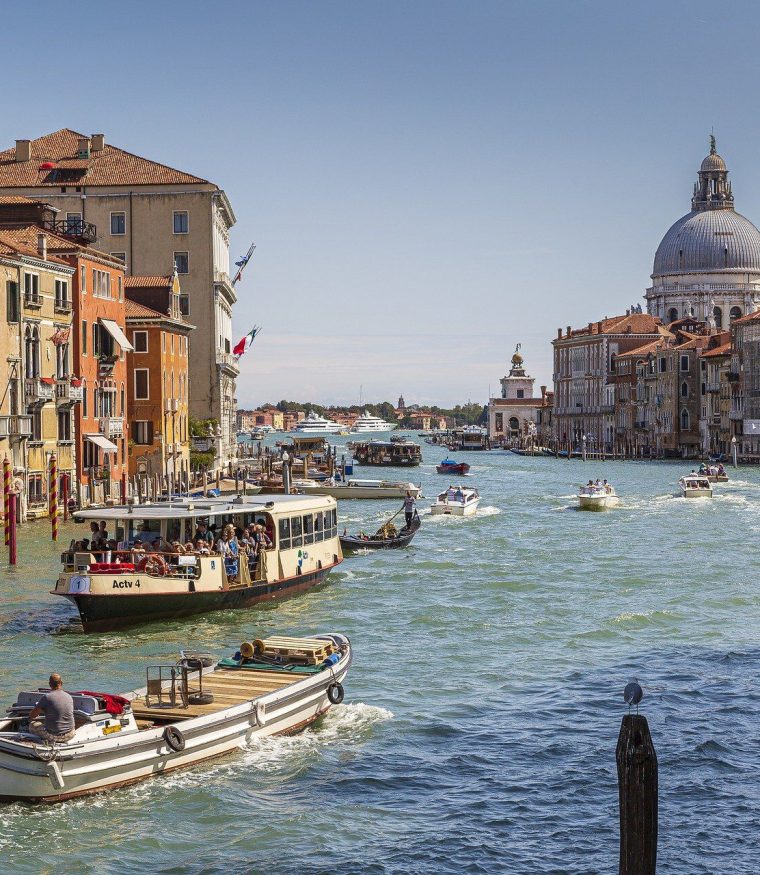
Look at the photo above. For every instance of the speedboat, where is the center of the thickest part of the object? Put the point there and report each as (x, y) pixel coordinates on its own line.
(714, 473)
(188, 711)
(695, 486)
(353, 488)
(597, 497)
(459, 501)
(449, 466)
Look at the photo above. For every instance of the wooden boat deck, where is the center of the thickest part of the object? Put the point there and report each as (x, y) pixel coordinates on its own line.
(229, 687)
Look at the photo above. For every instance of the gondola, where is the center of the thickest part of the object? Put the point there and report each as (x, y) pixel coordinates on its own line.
(380, 540)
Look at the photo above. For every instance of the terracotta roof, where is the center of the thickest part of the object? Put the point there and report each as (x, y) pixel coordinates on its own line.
(15, 243)
(642, 350)
(109, 166)
(133, 310)
(514, 402)
(148, 282)
(26, 235)
(633, 323)
(18, 199)
(723, 349)
(750, 317)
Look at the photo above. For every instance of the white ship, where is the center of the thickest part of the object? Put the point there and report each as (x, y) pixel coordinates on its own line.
(367, 423)
(314, 424)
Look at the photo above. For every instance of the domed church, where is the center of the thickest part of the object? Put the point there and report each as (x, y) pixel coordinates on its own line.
(708, 263)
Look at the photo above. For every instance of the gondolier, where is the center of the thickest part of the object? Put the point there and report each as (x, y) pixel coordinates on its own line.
(409, 507)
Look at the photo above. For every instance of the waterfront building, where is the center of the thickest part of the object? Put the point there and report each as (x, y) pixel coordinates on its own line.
(715, 423)
(517, 417)
(744, 380)
(707, 265)
(155, 219)
(158, 378)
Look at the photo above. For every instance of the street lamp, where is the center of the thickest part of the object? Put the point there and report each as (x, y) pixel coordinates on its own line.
(733, 449)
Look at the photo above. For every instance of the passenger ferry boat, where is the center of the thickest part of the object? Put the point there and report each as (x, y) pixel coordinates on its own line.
(397, 452)
(368, 423)
(144, 578)
(314, 424)
(189, 711)
(456, 501)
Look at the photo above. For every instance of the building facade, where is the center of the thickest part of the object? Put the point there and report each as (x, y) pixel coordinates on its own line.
(517, 418)
(154, 218)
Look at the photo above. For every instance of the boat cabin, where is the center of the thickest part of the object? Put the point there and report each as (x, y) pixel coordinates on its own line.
(395, 452)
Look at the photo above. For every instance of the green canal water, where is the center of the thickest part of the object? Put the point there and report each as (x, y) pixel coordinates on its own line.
(482, 711)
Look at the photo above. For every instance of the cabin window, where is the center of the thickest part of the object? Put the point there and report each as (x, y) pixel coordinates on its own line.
(334, 517)
(308, 528)
(319, 532)
(296, 530)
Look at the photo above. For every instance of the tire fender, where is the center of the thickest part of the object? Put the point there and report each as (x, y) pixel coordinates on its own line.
(335, 693)
(174, 738)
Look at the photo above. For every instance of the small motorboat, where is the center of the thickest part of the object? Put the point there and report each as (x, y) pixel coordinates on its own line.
(695, 486)
(189, 711)
(714, 473)
(387, 537)
(456, 501)
(597, 497)
(449, 466)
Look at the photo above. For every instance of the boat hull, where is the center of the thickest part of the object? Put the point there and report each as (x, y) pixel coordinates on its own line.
(696, 493)
(87, 768)
(359, 491)
(104, 613)
(454, 509)
(597, 502)
(461, 468)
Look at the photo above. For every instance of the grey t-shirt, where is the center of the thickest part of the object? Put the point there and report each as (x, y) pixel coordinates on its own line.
(58, 708)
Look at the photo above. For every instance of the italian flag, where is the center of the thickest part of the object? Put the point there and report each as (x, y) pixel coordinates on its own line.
(245, 344)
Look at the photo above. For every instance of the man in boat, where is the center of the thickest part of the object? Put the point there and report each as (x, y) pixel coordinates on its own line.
(202, 533)
(58, 708)
(409, 508)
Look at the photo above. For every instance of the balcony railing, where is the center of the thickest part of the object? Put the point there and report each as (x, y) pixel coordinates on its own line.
(36, 391)
(73, 228)
(712, 387)
(227, 360)
(18, 426)
(111, 426)
(63, 306)
(66, 392)
(106, 365)
(32, 301)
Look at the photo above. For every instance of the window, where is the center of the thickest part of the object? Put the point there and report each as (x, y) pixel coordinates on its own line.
(514, 424)
(143, 431)
(663, 364)
(295, 528)
(12, 301)
(64, 425)
(36, 489)
(672, 314)
(101, 283)
(84, 399)
(121, 401)
(121, 287)
(163, 342)
(84, 337)
(37, 425)
(83, 280)
(308, 528)
(181, 222)
(318, 531)
(31, 288)
(284, 534)
(684, 420)
(184, 305)
(499, 422)
(32, 351)
(141, 384)
(684, 363)
(62, 361)
(122, 256)
(73, 222)
(718, 317)
(118, 223)
(182, 262)
(140, 341)
(62, 295)
(684, 390)
(734, 313)
(521, 393)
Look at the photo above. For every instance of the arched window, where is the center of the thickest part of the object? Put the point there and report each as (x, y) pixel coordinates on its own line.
(32, 351)
(121, 401)
(84, 398)
(734, 313)
(718, 317)
(514, 424)
(684, 390)
(672, 314)
(684, 420)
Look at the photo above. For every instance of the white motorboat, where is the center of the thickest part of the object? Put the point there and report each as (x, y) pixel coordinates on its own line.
(314, 424)
(352, 488)
(456, 501)
(188, 712)
(368, 423)
(597, 497)
(695, 486)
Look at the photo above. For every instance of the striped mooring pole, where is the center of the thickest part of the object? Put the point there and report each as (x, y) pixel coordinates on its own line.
(54, 495)
(7, 499)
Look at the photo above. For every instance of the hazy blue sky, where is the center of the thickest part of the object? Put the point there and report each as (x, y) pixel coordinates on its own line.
(427, 183)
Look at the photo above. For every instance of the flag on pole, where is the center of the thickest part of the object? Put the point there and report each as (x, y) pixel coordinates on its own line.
(240, 265)
(245, 344)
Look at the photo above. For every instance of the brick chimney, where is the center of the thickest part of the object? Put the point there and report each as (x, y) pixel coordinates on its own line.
(98, 142)
(559, 333)
(569, 329)
(42, 246)
(83, 147)
(543, 395)
(23, 150)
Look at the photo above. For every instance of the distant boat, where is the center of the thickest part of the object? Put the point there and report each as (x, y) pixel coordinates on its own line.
(695, 486)
(593, 497)
(357, 488)
(449, 466)
(462, 501)
(314, 424)
(386, 538)
(368, 423)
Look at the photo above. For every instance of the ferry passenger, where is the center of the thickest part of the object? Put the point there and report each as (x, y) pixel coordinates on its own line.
(137, 547)
(203, 533)
(58, 708)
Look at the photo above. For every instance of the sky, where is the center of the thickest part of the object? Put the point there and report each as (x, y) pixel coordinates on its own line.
(427, 183)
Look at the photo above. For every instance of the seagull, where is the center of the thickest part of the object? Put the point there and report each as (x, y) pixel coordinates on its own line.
(633, 694)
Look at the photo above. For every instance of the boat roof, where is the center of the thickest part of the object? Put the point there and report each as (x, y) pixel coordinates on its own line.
(397, 443)
(208, 507)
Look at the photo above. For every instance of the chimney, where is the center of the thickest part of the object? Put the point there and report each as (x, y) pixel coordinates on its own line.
(543, 395)
(591, 328)
(98, 142)
(559, 333)
(42, 246)
(83, 147)
(23, 150)
(569, 328)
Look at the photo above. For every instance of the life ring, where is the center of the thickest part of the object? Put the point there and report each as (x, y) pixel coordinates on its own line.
(335, 693)
(174, 738)
(153, 564)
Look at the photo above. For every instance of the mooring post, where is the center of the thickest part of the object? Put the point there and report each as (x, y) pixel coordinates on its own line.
(637, 788)
(6, 498)
(12, 519)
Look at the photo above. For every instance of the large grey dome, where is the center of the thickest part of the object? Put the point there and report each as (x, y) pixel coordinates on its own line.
(709, 240)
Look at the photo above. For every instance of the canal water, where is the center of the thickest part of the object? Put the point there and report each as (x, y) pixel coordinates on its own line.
(481, 715)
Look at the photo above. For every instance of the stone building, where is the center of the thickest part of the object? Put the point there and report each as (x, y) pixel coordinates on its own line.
(517, 417)
(154, 218)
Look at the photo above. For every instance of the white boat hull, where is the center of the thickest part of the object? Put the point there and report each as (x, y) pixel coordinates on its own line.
(597, 502)
(360, 491)
(91, 767)
(696, 493)
(454, 509)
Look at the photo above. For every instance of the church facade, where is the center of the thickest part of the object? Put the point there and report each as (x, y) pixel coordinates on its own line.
(517, 418)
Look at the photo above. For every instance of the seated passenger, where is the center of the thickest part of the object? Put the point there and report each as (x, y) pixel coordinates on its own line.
(58, 708)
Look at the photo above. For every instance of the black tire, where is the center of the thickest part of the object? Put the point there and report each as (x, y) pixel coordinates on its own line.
(201, 699)
(335, 693)
(174, 738)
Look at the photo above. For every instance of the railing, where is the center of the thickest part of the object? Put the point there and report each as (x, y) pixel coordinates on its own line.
(32, 300)
(111, 426)
(19, 426)
(106, 365)
(37, 392)
(227, 360)
(73, 228)
(66, 391)
(712, 387)
(63, 306)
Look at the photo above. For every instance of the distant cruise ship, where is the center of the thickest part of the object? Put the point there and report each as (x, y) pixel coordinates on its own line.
(367, 423)
(314, 424)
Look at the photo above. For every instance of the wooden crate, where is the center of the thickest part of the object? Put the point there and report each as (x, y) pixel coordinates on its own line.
(308, 651)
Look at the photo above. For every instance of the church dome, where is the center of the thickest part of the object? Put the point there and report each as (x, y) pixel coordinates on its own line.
(713, 162)
(709, 240)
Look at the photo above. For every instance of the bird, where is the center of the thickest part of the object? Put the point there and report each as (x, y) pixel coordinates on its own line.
(633, 694)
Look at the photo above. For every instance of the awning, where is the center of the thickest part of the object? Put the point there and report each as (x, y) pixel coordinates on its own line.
(101, 441)
(118, 335)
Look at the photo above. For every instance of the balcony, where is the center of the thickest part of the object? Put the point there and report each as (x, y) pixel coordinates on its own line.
(76, 228)
(712, 387)
(223, 284)
(18, 427)
(32, 301)
(111, 426)
(63, 306)
(106, 365)
(37, 391)
(66, 392)
(228, 362)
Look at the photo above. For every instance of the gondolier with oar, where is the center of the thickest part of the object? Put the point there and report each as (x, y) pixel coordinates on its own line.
(409, 508)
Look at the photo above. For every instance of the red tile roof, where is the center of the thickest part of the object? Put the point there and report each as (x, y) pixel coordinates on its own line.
(633, 323)
(750, 317)
(723, 349)
(14, 243)
(641, 351)
(148, 282)
(26, 236)
(134, 310)
(109, 166)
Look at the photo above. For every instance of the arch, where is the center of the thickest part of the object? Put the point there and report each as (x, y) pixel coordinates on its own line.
(718, 317)
(734, 313)
(684, 389)
(514, 424)
(672, 314)
(684, 420)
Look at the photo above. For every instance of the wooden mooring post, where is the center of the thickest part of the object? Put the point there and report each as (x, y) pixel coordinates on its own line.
(637, 789)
